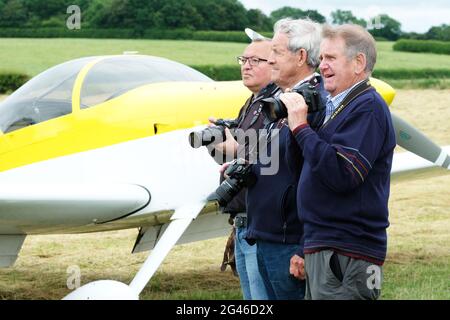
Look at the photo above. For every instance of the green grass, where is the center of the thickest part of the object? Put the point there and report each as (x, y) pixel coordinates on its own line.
(387, 58)
(418, 279)
(32, 56)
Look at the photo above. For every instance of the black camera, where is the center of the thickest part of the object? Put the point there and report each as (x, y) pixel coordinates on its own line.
(214, 134)
(275, 108)
(239, 176)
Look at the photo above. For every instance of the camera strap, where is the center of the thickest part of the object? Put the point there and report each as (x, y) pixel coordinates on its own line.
(268, 91)
(352, 95)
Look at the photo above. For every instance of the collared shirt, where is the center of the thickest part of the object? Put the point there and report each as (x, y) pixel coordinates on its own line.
(334, 102)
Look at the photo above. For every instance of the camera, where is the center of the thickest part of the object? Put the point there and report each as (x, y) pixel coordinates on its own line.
(214, 134)
(239, 176)
(275, 108)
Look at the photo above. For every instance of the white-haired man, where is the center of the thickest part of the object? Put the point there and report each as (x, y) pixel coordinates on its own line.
(273, 223)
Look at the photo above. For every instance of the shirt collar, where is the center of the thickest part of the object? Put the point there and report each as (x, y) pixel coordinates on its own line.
(337, 99)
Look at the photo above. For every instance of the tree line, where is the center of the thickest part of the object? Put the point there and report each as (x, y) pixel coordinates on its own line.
(223, 15)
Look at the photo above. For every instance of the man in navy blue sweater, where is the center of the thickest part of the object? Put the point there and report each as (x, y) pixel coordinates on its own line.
(271, 203)
(343, 189)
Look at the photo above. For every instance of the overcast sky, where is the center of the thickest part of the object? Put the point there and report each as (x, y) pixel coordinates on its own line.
(414, 15)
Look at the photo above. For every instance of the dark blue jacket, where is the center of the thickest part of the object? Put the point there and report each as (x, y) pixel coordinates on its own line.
(344, 184)
(271, 202)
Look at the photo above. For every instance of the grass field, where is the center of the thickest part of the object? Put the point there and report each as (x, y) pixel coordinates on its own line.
(31, 56)
(417, 265)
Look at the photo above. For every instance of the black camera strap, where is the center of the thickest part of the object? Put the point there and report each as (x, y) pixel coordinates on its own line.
(268, 91)
(352, 95)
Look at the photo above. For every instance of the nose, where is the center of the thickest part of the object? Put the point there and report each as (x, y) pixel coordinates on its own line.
(323, 66)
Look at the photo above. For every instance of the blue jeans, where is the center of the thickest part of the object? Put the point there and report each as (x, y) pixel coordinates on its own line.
(252, 284)
(274, 261)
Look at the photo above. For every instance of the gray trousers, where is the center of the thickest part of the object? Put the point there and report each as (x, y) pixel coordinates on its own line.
(331, 276)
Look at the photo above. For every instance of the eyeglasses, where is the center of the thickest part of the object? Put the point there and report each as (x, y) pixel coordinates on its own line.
(253, 61)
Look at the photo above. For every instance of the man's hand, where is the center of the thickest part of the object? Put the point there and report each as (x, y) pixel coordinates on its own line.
(229, 146)
(224, 167)
(297, 109)
(297, 267)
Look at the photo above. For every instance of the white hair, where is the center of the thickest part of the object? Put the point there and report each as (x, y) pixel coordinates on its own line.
(302, 34)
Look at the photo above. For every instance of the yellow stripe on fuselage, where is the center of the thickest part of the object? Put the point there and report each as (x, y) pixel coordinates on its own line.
(137, 114)
(134, 115)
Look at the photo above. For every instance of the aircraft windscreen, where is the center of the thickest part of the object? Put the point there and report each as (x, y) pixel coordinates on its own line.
(115, 76)
(46, 96)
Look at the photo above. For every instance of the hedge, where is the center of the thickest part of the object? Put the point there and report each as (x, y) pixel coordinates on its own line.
(429, 46)
(220, 73)
(10, 81)
(172, 34)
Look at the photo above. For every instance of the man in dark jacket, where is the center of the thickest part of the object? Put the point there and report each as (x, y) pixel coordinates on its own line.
(256, 73)
(271, 205)
(344, 185)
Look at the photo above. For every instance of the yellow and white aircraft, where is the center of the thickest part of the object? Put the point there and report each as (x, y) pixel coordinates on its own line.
(101, 143)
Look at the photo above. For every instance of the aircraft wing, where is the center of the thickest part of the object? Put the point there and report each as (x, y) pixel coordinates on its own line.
(42, 206)
(407, 165)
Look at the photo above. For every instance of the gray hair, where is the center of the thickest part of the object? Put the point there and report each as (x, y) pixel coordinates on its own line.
(302, 34)
(357, 40)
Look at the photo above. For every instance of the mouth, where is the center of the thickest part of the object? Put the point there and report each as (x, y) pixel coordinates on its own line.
(328, 76)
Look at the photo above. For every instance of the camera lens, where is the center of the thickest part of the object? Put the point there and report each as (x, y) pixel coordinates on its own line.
(227, 191)
(207, 136)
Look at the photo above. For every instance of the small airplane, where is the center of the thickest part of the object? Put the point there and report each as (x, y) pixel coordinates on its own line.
(101, 143)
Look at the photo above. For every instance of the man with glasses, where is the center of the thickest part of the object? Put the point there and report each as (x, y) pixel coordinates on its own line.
(256, 73)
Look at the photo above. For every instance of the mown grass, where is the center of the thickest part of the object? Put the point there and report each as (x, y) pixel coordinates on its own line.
(31, 56)
(417, 265)
(387, 58)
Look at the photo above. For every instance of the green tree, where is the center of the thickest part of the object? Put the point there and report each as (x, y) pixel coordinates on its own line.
(13, 14)
(441, 32)
(386, 27)
(257, 20)
(295, 13)
(46, 9)
(346, 16)
(233, 16)
(186, 16)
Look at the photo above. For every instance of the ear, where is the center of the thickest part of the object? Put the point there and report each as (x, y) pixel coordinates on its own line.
(302, 57)
(360, 63)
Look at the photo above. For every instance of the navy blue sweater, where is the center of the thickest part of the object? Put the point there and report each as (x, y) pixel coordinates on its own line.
(344, 184)
(271, 202)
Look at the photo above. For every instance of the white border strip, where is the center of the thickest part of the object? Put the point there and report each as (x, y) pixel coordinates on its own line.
(441, 159)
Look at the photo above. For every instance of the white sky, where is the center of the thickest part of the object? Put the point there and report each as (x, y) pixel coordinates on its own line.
(414, 15)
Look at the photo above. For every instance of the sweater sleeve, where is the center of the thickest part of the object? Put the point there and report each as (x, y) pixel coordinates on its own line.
(345, 161)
